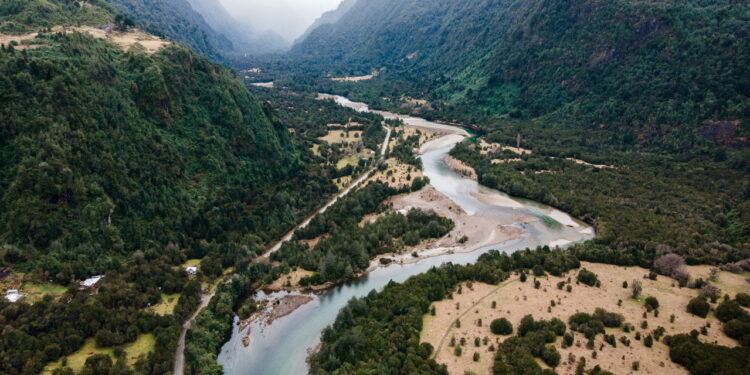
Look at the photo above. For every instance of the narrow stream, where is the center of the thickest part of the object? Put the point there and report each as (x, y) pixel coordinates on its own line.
(281, 348)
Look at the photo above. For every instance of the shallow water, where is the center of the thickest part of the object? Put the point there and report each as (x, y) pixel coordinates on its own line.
(282, 347)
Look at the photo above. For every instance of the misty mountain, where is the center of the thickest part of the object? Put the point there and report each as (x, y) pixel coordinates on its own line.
(245, 38)
(623, 63)
(203, 25)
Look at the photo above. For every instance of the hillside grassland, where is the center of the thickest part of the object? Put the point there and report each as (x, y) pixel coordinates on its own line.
(514, 299)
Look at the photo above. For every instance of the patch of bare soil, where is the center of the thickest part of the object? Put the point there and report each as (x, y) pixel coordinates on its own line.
(515, 299)
(397, 175)
(461, 168)
(18, 39)
(289, 281)
(272, 310)
(356, 78)
(486, 148)
(133, 39)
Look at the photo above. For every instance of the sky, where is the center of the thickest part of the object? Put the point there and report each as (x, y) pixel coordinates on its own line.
(288, 18)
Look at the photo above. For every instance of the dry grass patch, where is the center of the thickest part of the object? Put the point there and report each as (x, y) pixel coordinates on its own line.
(342, 136)
(167, 304)
(290, 281)
(132, 40)
(515, 299)
(397, 175)
(134, 351)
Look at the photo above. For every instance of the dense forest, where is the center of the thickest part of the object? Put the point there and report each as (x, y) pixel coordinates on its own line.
(127, 164)
(176, 19)
(644, 72)
(125, 151)
(696, 204)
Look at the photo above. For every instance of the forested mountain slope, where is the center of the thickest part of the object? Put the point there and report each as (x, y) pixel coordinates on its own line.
(655, 69)
(105, 153)
(177, 20)
(329, 17)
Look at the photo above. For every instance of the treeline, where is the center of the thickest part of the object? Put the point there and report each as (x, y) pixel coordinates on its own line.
(379, 333)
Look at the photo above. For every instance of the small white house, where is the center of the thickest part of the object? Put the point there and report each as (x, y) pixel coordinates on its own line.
(91, 282)
(191, 270)
(12, 295)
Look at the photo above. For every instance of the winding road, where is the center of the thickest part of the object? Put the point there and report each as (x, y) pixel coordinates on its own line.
(179, 358)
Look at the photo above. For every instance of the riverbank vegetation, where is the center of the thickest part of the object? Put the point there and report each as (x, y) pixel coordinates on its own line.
(349, 246)
(693, 204)
(457, 307)
(380, 332)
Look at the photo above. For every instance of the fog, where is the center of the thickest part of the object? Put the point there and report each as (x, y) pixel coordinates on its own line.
(288, 18)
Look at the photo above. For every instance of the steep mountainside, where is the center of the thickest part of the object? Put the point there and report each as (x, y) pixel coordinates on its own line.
(329, 17)
(105, 153)
(653, 68)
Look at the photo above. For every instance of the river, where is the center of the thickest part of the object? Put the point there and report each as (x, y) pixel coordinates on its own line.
(282, 347)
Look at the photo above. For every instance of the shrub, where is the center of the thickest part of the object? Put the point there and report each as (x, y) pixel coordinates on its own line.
(652, 303)
(625, 285)
(636, 287)
(457, 351)
(587, 277)
(698, 307)
(501, 327)
(711, 292)
(551, 356)
(729, 310)
(648, 341)
(567, 340)
(476, 357)
(743, 299)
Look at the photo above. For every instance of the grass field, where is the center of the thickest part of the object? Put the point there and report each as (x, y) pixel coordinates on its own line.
(474, 308)
(76, 361)
(354, 159)
(341, 136)
(167, 305)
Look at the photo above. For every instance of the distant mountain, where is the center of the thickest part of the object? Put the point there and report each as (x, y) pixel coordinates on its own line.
(245, 38)
(329, 17)
(655, 68)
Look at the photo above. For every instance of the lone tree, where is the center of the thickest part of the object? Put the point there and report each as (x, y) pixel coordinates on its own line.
(636, 288)
(652, 303)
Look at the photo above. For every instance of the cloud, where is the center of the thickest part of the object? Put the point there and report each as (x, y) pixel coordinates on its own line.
(288, 18)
